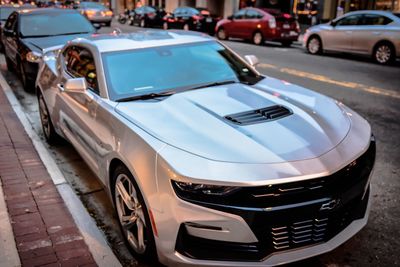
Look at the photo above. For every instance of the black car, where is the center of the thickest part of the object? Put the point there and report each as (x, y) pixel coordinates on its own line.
(148, 16)
(27, 34)
(5, 11)
(189, 18)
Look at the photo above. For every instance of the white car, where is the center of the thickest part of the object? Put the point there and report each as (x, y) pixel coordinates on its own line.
(207, 161)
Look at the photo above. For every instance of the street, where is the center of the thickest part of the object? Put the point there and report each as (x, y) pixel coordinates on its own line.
(370, 89)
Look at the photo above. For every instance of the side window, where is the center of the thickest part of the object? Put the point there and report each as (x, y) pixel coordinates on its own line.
(253, 14)
(11, 22)
(373, 19)
(80, 63)
(240, 14)
(349, 21)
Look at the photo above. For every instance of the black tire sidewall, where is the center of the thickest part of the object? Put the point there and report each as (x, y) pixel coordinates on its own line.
(150, 253)
(392, 53)
(320, 45)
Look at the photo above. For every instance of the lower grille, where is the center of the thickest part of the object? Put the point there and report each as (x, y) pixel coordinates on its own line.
(299, 234)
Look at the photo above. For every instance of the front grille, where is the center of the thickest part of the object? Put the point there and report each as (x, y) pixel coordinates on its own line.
(259, 115)
(299, 233)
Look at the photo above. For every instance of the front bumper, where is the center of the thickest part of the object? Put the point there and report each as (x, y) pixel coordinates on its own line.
(202, 234)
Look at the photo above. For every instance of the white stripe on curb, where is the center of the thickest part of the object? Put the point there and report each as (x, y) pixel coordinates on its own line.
(93, 237)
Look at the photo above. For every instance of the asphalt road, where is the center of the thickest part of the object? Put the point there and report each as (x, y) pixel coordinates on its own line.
(370, 89)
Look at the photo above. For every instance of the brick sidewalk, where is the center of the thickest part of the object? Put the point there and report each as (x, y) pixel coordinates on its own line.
(43, 228)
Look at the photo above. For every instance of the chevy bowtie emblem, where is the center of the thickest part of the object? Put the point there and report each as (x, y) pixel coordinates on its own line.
(330, 205)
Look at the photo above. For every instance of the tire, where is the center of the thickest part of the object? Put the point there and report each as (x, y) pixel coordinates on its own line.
(286, 43)
(122, 20)
(108, 24)
(186, 27)
(142, 23)
(10, 65)
(384, 53)
(49, 133)
(26, 83)
(258, 38)
(221, 34)
(133, 207)
(314, 45)
(165, 26)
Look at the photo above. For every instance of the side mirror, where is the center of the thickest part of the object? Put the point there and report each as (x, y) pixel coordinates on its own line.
(33, 57)
(97, 26)
(332, 23)
(76, 85)
(230, 17)
(252, 60)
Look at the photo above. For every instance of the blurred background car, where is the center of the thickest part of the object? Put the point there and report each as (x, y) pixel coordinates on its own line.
(148, 16)
(373, 33)
(27, 33)
(259, 25)
(190, 18)
(96, 12)
(5, 11)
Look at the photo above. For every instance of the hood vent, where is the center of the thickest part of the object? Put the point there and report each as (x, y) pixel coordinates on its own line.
(259, 115)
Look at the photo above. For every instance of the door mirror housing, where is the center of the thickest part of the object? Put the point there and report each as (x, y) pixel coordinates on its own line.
(76, 85)
(332, 23)
(252, 60)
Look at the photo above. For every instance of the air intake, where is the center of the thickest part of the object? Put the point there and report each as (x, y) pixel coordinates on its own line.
(259, 115)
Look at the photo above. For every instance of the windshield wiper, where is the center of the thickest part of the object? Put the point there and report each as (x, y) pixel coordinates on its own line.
(145, 96)
(211, 84)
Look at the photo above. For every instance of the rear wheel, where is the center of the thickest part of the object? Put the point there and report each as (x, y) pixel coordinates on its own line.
(314, 45)
(221, 34)
(384, 53)
(186, 27)
(47, 126)
(165, 26)
(133, 214)
(142, 23)
(258, 38)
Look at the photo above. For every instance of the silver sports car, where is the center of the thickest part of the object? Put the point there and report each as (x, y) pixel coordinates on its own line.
(368, 32)
(207, 161)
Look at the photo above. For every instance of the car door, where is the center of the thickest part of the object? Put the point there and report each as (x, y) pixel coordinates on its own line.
(234, 28)
(371, 29)
(339, 37)
(10, 37)
(77, 111)
(251, 23)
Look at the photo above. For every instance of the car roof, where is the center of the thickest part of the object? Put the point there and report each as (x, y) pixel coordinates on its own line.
(376, 12)
(141, 39)
(44, 11)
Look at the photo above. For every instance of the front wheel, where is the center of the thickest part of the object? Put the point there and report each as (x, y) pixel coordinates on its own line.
(384, 53)
(108, 24)
(142, 23)
(186, 27)
(47, 126)
(26, 82)
(221, 34)
(133, 214)
(165, 26)
(258, 38)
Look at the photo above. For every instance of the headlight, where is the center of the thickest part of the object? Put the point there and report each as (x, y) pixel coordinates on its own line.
(203, 189)
(33, 57)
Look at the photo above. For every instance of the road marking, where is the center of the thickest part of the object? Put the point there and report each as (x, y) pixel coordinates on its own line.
(325, 79)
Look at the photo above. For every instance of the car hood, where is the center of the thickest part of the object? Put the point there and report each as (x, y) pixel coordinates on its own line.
(41, 43)
(194, 121)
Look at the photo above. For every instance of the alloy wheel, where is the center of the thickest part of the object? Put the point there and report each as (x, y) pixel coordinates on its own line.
(142, 23)
(314, 46)
(221, 34)
(44, 117)
(130, 213)
(257, 38)
(383, 54)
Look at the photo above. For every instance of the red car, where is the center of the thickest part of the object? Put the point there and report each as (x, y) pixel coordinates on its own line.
(259, 25)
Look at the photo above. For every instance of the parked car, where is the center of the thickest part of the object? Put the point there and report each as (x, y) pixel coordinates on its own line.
(259, 25)
(208, 162)
(148, 16)
(95, 12)
(28, 33)
(190, 18)
(5, 11)
(371, 33)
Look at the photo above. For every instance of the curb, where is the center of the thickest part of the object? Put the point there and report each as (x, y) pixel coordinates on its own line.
(93, 237)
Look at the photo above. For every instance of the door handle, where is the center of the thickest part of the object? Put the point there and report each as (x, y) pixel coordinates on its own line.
(60, 87)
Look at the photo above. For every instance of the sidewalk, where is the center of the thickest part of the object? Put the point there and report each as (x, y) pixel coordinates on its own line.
(44, 231)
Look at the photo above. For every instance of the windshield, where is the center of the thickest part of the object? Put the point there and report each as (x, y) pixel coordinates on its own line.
(179, 67)
(55, 23)
(5, 12)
